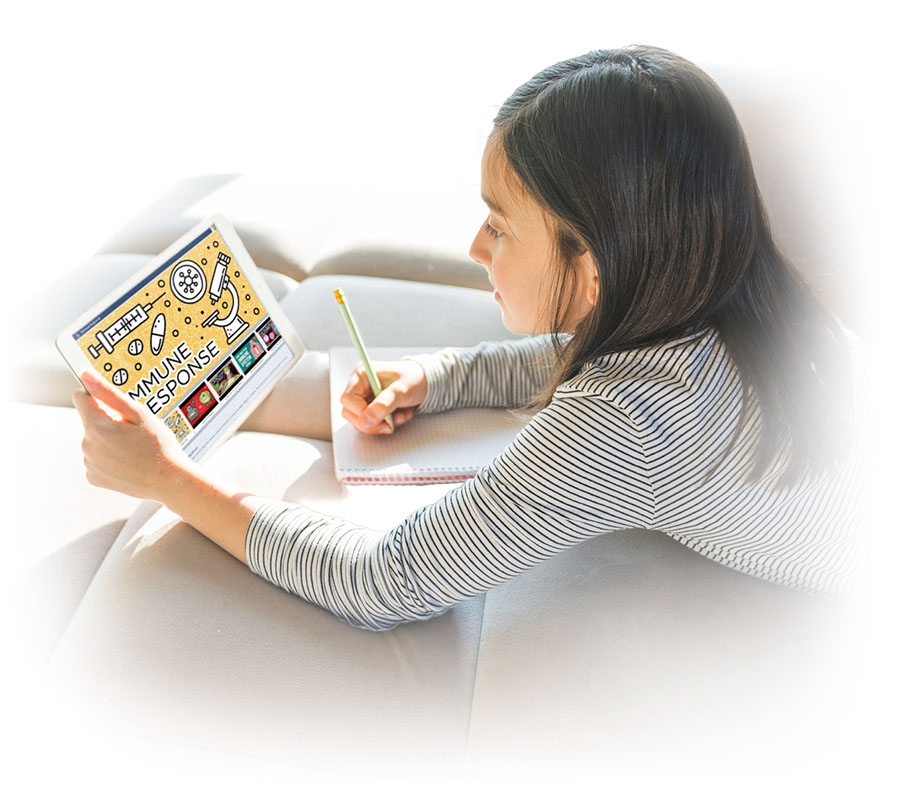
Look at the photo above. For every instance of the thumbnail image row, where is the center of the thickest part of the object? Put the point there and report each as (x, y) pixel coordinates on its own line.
(194, 409)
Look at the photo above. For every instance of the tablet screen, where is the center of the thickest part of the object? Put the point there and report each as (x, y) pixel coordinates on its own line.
(192, 340)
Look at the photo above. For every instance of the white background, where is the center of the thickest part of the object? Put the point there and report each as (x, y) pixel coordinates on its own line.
(106, 104)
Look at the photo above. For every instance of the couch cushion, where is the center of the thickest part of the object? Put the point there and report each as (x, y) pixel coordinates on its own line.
(393, 312)
(282, 223)
(65, 525)
(631, 651)
(179, 642)
(295, 227)
(623, 652)
(419, 235)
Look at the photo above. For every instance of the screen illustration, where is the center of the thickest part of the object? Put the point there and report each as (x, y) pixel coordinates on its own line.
(185, 337)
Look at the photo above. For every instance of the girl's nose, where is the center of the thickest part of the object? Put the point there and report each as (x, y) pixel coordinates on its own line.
(478, 250)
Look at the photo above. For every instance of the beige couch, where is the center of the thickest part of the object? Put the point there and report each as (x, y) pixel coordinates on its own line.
(627, 657)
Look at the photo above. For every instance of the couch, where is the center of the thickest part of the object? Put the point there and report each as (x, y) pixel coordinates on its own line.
(155, 658)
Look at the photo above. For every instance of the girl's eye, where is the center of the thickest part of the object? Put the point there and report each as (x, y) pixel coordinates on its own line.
(491, 231)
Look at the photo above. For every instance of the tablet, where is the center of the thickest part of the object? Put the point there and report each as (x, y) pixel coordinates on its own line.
(196, 336)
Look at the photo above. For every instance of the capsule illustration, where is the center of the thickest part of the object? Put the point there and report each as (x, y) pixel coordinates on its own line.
(158, 333)
(122, 327)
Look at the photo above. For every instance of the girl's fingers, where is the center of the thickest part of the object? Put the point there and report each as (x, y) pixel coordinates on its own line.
(367, 413)
(401, 416)
(357, 392)
(87, 407)
(358, 383)
(356, 422)
(383, 404)
(128, 409)
(356, 404)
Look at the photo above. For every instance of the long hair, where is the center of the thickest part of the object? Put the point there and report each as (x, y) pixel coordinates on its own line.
(636, 156)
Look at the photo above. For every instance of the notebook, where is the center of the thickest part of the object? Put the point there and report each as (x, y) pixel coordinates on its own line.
(429, 449)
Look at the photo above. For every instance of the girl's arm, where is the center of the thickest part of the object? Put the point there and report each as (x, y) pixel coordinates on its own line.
(574, 472)
(299, 404)
(577, 470)
(129, 450)
(492, 374)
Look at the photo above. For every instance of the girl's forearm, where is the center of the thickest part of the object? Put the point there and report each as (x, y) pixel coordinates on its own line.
(132, 452)
(215, 508)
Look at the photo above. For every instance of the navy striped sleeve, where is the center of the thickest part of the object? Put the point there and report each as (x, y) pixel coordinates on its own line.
(572, 473)
(493, 374)
(637, 439)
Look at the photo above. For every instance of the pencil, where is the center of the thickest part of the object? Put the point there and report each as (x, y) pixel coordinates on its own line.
(354, 334)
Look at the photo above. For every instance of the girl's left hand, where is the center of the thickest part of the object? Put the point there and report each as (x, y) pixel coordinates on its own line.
(136, 455)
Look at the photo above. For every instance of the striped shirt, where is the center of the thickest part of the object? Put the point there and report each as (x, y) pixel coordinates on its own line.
(627, 443)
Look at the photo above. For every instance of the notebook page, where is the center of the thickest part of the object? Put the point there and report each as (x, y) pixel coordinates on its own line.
(444, 447)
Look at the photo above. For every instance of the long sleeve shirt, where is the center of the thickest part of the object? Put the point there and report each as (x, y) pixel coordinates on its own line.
(629, 442)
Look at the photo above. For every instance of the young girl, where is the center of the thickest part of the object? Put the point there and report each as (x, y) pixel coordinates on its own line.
(684, 378)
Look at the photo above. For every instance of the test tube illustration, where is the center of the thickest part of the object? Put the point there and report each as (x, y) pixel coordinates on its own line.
(113, 334)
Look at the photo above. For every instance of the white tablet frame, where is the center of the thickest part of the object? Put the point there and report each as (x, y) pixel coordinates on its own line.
(71, 351)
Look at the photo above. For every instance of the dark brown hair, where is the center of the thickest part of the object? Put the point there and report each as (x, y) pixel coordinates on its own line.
(637, 157)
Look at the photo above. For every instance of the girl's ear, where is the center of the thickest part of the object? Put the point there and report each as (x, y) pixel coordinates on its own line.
(589, 279)
(593, 290)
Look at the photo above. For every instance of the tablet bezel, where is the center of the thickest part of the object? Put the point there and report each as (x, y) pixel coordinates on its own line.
(71, 351)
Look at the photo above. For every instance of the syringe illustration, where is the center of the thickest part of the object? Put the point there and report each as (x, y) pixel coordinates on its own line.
(121, 328)
(232, 323)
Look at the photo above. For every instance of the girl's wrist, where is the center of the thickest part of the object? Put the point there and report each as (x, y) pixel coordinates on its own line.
(213, 506)
(178, 474)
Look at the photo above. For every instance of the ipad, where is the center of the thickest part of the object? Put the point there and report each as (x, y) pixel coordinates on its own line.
(196, 336)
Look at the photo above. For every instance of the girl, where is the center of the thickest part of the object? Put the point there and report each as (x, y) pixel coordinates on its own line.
(684, 378)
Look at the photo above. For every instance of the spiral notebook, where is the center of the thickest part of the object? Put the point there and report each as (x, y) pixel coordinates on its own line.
(429, 449)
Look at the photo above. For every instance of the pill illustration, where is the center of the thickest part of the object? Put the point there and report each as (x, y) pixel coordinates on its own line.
(120, 377)
(158, 333)
(135, 347)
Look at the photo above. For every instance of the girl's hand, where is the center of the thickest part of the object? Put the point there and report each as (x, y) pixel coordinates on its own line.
(404, 388)
(136, 454)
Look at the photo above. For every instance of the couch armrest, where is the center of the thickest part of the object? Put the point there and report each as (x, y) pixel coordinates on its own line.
(298, 228)
(393, 312)
(282, 224)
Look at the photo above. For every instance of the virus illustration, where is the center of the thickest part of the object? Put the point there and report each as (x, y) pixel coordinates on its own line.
(188, 282)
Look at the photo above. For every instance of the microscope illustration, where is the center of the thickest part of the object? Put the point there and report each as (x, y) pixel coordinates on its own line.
(233, 324)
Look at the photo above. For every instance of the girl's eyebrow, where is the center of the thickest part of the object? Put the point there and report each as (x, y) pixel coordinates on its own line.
(492, 204)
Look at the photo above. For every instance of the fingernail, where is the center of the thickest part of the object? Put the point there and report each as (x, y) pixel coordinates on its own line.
(368, 420)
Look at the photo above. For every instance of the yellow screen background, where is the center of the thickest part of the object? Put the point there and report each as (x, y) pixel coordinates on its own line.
(183, 320)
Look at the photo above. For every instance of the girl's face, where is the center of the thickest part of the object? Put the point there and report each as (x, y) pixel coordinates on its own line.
(516, 246)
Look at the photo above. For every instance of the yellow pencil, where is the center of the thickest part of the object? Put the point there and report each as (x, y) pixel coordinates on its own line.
(354, 333)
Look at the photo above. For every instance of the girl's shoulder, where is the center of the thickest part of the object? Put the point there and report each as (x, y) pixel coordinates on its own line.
(666, 392)
(689, 365)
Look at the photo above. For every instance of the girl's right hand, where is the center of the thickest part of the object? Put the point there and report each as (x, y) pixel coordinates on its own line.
(403, 388)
